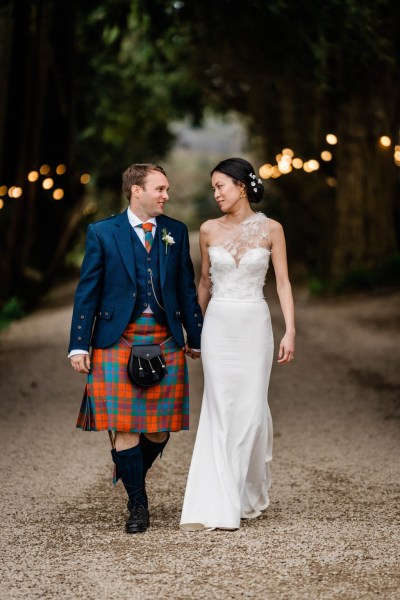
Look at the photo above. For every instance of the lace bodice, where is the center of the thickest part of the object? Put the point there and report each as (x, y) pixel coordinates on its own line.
(239, 263)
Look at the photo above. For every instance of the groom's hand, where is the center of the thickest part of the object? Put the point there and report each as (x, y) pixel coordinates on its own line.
(81, 363)
(192, 353)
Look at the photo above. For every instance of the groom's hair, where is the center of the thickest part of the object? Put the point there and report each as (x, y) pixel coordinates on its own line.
(136, 174)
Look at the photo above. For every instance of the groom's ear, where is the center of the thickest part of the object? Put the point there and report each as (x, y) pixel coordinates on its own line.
(136, 191)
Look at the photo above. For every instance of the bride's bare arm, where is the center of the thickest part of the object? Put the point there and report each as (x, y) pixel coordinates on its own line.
(204, 288)
(284, 289)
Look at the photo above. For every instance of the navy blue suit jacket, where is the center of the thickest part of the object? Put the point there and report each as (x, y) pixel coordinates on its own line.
(106, 292)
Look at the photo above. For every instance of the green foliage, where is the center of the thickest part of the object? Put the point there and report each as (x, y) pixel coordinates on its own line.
(359, 280)
(11, 311)
(131, 87)
(362, 279)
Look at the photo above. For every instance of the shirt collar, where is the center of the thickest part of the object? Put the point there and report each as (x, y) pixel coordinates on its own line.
(135, 221)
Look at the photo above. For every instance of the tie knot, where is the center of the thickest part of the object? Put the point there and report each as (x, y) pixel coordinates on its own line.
(147, 227)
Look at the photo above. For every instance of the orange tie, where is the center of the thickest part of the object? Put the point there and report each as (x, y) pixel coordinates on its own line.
(148, 236)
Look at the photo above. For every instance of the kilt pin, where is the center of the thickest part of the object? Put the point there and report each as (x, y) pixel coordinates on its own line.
(121, 277)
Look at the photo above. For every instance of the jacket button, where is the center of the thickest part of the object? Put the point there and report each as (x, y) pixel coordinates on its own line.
(148, 259)
(79, 338)
(198, 324)
(149, 270)
(134, 295)
(196, 315)
(82, 316)
(100, 314)
(106, 314)
(149, 294)
(144, 304)
(79, 326)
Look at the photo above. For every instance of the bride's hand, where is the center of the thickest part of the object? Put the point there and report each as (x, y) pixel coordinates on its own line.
(286, 349)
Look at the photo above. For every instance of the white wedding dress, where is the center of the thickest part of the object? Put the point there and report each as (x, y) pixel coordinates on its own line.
(229, 473)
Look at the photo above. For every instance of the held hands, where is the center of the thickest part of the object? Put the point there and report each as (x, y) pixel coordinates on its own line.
(286, 349)
(81, 363)
(191, 353)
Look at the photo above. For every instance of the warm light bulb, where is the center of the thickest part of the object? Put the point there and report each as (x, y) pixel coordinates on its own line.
(326, 155)
(3, 190)
(284, 167)
(44, 170)
(85, 178)
(331, 139)
(297, 163)
(275, 172)
(33, 176)
(17, 192)
(307, 168)
(385, 141)
(265, 171)
(288, 152)
(331, 181)
(1, 203)
(60, 170)
(58, 194)
(48, 183)
(313, 164)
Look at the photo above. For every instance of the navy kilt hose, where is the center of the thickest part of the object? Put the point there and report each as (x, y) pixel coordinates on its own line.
(112, 402)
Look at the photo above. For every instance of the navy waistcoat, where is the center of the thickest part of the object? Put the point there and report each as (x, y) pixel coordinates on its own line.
(145, 295)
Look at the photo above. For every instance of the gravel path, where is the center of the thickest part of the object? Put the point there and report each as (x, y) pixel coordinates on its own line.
(332, 530)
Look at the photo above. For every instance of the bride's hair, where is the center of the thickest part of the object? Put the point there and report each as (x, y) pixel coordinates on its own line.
(241, 171)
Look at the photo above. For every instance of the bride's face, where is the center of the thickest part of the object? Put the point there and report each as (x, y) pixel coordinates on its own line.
(226, 191)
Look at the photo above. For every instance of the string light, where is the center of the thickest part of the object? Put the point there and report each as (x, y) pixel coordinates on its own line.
(385, 141)
(3, 190)
(331, 181)
(47, 183)
(58, 194)
(33, 176)
(85, 178)
(14, 191)
(313, 164)
(1, 203)
(60, 170)
(297, 163)
(288, 152)
(44, 170)
(326, 155)
(284, 166)
(265, 171)
(331, 139)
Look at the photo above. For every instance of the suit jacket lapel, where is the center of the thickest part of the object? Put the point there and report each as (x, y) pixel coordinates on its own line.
(162, 255)
(123, 234)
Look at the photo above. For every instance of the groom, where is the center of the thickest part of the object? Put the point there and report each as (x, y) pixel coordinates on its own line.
(136, 287)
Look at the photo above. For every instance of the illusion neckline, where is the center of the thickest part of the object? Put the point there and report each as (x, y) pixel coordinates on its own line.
(237, 264)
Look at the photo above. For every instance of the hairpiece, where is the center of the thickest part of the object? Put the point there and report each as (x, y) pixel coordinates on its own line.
(254, 181)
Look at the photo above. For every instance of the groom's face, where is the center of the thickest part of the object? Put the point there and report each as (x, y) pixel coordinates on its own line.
(148, 200)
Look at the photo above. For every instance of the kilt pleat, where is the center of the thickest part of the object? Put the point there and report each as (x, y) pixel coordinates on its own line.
(112, 402)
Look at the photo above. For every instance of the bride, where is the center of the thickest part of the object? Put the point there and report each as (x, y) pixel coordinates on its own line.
(229, 473)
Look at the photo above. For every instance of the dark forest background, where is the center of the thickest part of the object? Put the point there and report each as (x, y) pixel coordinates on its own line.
(90, 87)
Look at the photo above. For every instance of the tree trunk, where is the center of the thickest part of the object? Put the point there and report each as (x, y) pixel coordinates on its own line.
(366, 174)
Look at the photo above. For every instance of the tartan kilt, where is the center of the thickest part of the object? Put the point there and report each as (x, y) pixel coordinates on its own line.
(112, 402)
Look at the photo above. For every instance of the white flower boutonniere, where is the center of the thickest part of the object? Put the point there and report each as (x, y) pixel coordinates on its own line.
(167, 239)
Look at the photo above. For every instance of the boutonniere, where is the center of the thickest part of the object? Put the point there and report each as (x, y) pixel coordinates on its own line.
(167, 239)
